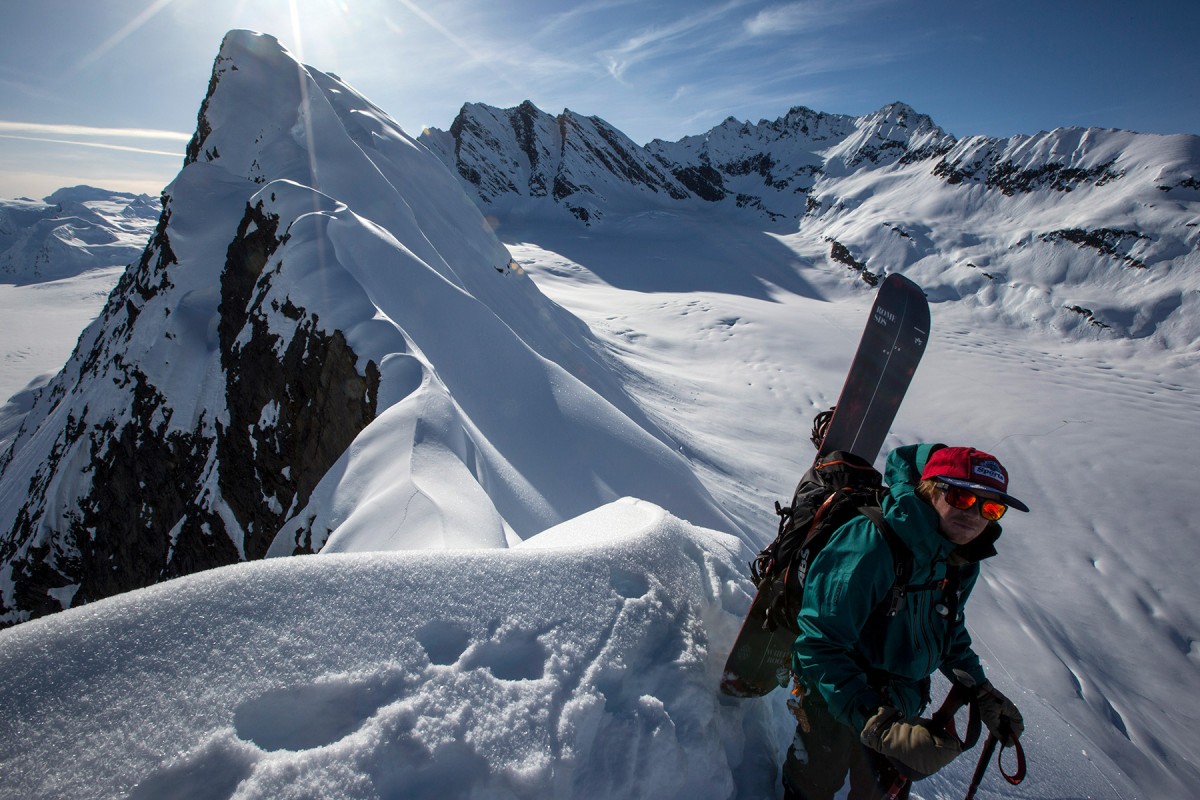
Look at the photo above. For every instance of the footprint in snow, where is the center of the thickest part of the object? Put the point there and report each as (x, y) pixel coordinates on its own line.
(211, 773)
(629, 584)
(515, 655)
(444, 642)
(304, 717)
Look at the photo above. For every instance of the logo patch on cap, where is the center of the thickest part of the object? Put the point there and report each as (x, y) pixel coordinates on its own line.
(990, 470)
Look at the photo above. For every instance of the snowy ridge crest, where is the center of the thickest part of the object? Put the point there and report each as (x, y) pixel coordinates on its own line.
(279, 359)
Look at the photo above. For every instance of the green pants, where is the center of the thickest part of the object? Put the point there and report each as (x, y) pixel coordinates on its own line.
(820, 761)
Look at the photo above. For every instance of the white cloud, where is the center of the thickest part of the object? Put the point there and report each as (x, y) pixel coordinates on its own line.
(806, 15)
(678, 36)
(781, 19)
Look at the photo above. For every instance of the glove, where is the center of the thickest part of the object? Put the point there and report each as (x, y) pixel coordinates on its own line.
(916, 749)
(998, 713)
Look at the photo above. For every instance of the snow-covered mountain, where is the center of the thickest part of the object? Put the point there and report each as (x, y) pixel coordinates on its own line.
(73, 230)
(509, 157)
(317, 282)
(59, 259)
(326, 347)
(1063, 229)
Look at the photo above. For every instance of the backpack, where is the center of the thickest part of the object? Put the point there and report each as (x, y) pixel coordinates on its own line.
(834, 491)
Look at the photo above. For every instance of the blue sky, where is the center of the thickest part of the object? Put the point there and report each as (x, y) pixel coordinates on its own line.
(106, 92)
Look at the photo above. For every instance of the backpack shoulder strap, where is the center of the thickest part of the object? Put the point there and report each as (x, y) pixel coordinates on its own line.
(902, 559)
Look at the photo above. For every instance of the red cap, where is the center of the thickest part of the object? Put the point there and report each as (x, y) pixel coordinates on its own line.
(971, 469)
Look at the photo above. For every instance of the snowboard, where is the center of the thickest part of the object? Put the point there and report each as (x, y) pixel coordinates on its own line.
(883, 366)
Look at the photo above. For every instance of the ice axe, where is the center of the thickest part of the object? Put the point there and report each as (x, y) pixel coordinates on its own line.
(989, 747)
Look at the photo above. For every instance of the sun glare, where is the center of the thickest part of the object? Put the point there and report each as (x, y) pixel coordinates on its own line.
(120, 36)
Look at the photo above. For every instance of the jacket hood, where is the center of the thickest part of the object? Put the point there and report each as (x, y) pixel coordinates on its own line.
(905, 465)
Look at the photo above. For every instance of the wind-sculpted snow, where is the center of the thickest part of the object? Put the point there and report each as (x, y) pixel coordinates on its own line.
(579, 664)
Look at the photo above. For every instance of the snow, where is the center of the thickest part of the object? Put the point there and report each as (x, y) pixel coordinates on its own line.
(499, 673)
(1088, 613)
(583, 661)
(456, 637)
(74, 230)
(42, 321)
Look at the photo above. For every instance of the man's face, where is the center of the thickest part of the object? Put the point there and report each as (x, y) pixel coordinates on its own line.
(960, 525)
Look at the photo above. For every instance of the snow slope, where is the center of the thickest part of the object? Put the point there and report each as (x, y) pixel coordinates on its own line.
(414, 675)
(1089, 612)
(39, 325)
(581, 663)
(44, 245)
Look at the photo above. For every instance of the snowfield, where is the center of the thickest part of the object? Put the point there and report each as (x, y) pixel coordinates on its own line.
(583, 662)
(536, 553)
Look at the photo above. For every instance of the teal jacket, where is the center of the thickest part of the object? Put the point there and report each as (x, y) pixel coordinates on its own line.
(858, 660)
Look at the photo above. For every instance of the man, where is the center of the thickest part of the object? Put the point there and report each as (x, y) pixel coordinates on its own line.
(864, 675)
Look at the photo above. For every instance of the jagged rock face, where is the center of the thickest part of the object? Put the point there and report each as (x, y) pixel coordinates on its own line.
(1023, 165)
(293, 406)
(169, 455)
(589, 168)
(582, 164)
(156, 498)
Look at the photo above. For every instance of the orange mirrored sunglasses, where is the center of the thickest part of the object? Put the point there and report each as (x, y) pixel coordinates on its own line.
(963, 499)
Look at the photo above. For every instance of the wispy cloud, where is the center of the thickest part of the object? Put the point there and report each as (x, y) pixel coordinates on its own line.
(685, 34)
(570, 17)
(31, 129)
(101, 145)
(122, 139)
(806, 15)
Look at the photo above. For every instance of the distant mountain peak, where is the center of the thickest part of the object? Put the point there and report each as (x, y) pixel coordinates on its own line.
(507, 162)
(73, 230)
